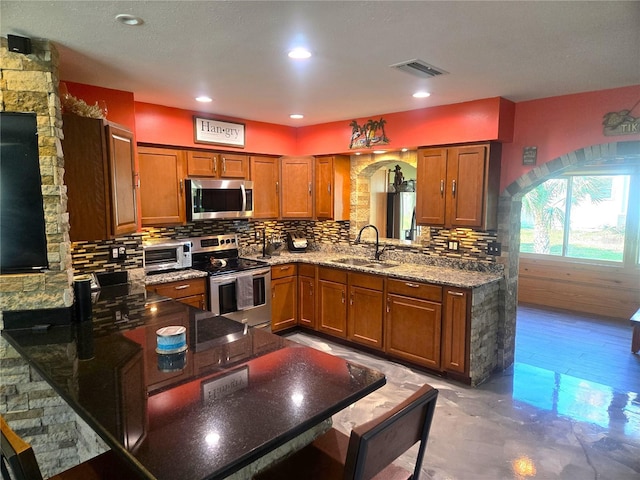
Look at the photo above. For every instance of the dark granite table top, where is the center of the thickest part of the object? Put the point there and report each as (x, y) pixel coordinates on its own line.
(233, 396)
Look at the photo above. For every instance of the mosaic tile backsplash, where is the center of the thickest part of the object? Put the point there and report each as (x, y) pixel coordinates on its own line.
(93, 257)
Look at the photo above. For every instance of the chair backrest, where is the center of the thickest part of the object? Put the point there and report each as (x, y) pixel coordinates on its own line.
(17, 456)
(376, 444)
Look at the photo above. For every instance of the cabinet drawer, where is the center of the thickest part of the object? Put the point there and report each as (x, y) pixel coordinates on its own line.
(333, 275)
(281, 271)
(306, 270)
(184, 288)
(373, 282)
(415, 289)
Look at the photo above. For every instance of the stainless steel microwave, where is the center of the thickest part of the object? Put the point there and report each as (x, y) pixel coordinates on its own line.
(215, 199)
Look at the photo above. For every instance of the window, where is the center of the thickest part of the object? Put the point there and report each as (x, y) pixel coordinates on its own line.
(584, 217)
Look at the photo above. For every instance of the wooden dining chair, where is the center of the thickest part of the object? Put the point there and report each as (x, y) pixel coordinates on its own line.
(369, 451)
(18, 462)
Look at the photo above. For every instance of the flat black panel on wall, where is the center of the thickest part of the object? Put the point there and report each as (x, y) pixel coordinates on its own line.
(23, 243)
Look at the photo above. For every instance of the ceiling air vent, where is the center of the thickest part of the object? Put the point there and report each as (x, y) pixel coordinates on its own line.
(419, 68)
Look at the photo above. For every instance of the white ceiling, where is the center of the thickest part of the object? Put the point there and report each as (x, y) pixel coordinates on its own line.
(235, 52)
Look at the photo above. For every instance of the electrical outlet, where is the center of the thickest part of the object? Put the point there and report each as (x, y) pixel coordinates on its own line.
(113, 253)
(257, 234)
(494, 248)
(117, 253)
(453, 245)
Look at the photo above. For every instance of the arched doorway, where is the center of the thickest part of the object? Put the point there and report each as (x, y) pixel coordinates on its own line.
(510, 205)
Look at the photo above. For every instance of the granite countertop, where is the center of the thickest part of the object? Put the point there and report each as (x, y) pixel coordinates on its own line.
(176, 276)
(236, 395)
(435, 274)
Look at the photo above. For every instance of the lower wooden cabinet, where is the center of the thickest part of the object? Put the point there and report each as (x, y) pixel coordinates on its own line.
(366, 307)
(413, 322)
(284, 296)
(455, 330)
(307, 296)
(332, 302)
(191, 292)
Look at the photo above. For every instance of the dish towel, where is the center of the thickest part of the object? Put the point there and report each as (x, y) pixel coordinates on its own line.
(244, 291)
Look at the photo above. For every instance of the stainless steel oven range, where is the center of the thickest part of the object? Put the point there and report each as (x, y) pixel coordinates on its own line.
(239, 288)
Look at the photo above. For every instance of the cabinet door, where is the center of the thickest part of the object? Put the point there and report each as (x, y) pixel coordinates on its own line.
(307, 302)
(202, 164)
(332, 308)
(412, 330)
(324, 187)
(454, 334)
(265, 174)
(332, 187)
(124, 217)
(431, 178)
(365, 316)
(296, 194)
(162, 194)
(284, 305)
(465, 183)
(233, 165)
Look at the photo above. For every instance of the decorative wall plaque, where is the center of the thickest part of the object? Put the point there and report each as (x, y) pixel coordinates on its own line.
(621, 123)
(529, 155)
(369, 134)
(208, 130)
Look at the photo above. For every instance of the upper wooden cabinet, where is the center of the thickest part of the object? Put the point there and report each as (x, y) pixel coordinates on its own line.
(100, 180)
(217, 165)
(296, 196)
(162, 195)
(459, 186)
(265, 174)
(332, 187)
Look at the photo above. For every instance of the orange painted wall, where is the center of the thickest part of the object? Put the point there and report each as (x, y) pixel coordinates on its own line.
(561, 125)
(479, 120)
(120, 104)
(172, 126)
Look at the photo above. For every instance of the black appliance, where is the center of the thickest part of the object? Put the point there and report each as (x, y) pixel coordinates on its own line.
(22, 226)
(239, 288)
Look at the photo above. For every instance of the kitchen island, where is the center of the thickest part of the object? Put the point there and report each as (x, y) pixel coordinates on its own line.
(231, 403)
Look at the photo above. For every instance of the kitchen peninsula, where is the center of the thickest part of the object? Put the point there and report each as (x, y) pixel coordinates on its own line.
(236, 398)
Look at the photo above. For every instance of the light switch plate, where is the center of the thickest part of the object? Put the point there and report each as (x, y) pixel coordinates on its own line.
(494, 248)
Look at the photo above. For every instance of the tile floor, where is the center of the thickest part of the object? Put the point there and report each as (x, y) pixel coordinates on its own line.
(569, 408)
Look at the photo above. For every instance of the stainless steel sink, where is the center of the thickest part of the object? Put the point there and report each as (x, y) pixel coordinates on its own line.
(364, 262)
(360, 262)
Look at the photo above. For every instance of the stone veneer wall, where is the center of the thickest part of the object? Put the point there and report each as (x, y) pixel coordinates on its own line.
(30, 84)
(60, 439)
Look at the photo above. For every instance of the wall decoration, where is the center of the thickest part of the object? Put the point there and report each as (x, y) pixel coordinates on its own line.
(208, 130)
(529, 155)
(621, 123)
(369, 134)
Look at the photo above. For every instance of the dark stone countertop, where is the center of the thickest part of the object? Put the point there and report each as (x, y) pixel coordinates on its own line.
(235, 395)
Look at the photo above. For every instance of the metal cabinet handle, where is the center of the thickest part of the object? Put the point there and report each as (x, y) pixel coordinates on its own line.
(224, 165)
(329, 188)
(351, 300)
(181, 186)
(182, 287)
(412, 285)
(309, 188)
(456, 294)
(215, 166)
(453, 188)
(282, 269)
(441, 187)
(343, 297)
(277, 187)
(388, 304)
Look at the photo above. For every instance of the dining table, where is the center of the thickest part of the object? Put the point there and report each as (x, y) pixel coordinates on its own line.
(226, 402)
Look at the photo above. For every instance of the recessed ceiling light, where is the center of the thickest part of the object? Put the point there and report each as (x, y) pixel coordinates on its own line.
(129, 19)
(296, 116)
(378, 152)
(299, 53)
(421, 95)
(405, 149)
(358, 153)
(204, 99)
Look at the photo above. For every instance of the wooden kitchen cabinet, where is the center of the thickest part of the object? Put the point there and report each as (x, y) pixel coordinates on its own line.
(284, 296)
(296, 194)
(332, 187)
(413, 322)
(307, 295)
(162, 189)
(365, 312)
(190, 292)
(265, 175)
(459, 186)
(100, 178)
(217, 165)
(455, 328)
(332, 301)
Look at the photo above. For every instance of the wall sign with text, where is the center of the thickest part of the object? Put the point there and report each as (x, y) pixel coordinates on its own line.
(208, 130)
